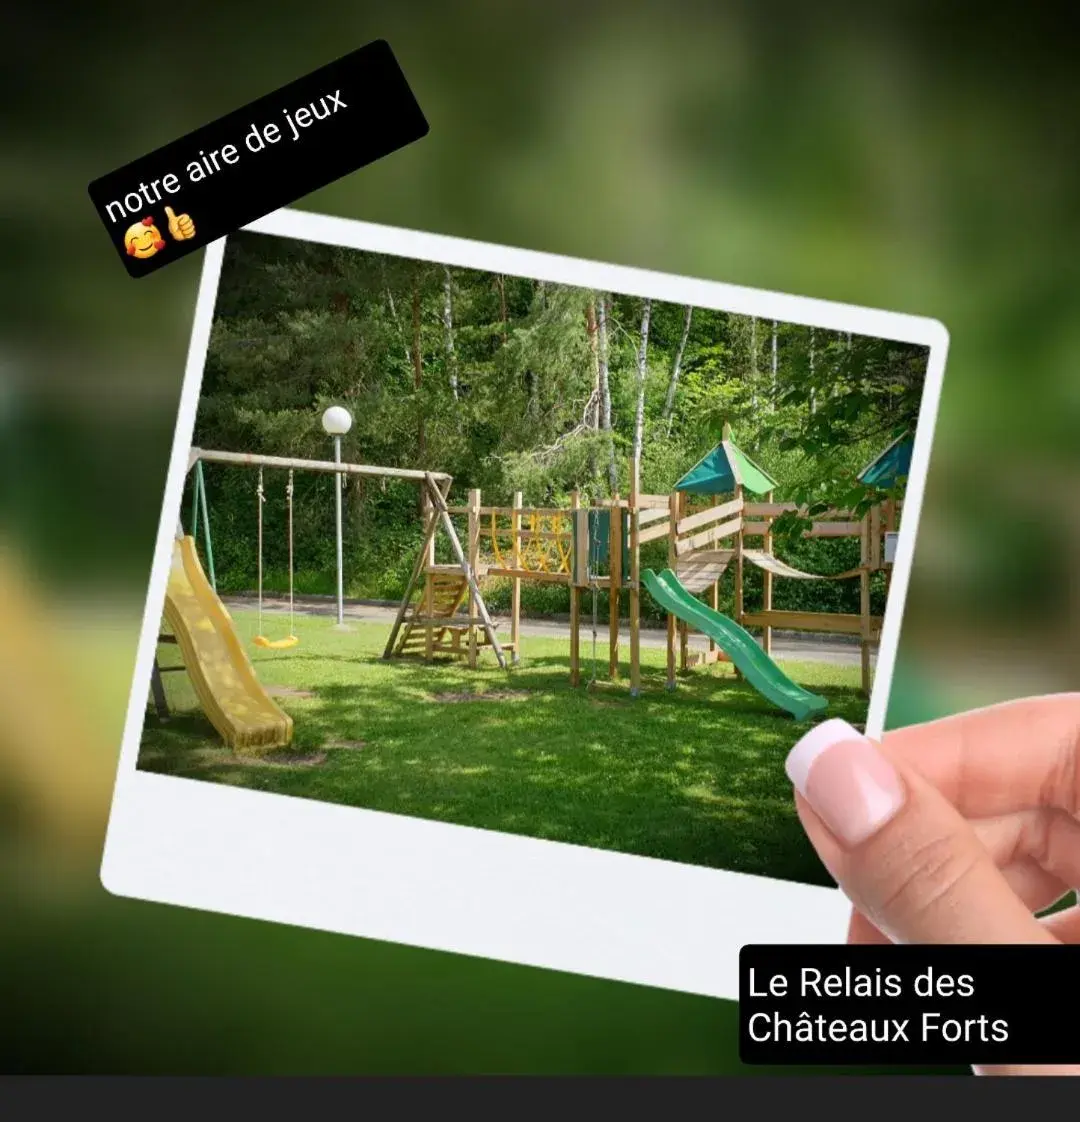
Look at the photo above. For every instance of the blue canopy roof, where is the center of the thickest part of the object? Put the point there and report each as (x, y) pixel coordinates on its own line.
(893, 464)
(724, 468)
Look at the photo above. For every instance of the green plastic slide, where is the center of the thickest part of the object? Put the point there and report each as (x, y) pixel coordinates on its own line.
(742, 648)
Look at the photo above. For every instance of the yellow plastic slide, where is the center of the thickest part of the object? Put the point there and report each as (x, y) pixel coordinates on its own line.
(238, 707)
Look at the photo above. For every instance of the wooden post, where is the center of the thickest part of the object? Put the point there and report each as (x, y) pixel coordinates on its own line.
(515, 583)
(424, 557)
(864, 601)
(714, 591)
(739, 612)
(575, 604)
(439, 499)
(766, 635)
(875, 538)
(672, 623)
(250, 459)
(429, 581)
(614, 586)
(635, 582)
(474, 557)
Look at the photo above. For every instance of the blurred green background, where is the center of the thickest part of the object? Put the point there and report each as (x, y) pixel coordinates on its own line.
(923, 163)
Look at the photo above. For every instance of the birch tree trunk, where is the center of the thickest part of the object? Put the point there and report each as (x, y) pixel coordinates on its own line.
(813, 389)
(418, 381)
(834, 390)
(676, 368)
(753, 361)
(397, 324)
(395, 317)
(532, 379)
(772, 401)
(603, 376)
(642, 356)
(500, 280)
(591, 417)
(448, 329)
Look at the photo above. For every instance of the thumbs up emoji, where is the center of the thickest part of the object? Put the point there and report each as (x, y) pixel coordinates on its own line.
(180, 225)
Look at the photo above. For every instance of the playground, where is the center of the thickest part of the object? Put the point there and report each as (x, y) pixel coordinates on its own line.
(457, 705)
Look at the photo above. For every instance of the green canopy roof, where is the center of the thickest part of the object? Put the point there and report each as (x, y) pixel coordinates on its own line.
(893, 464)
(724, 468)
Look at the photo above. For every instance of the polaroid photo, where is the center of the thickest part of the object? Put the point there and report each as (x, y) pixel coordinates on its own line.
(492, 588)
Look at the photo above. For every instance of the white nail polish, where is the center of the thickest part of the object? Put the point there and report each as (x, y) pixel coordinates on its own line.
(816, 741)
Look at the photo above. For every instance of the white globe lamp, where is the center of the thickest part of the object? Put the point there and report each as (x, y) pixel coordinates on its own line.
(337, 421)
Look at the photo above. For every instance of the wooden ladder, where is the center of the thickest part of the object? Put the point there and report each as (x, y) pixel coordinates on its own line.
(455, 583)
(447, 592)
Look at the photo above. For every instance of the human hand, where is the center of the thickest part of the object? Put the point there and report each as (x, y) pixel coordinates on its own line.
(956, 831)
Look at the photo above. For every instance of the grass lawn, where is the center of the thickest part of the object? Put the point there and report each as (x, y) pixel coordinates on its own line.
(694, 776)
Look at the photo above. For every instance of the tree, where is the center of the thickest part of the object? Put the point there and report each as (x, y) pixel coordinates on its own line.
(846, 393)
(642, 357)
(813, 389)
(500, 284)
(603, 376)
(592, 409)
(448, 329)
(772, 384)
(676, 368)
(554, 386)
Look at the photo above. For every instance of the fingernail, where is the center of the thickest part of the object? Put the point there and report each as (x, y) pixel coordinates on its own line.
(851, 786)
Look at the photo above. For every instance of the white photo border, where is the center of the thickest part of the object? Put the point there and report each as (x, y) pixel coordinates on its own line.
(454, 888)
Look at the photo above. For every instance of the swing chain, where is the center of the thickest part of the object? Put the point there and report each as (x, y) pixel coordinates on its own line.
(595, 598)
(289, 505)
(260, 496)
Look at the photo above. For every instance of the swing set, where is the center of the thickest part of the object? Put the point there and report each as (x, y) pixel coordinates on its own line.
(199, 624)
(200, 519)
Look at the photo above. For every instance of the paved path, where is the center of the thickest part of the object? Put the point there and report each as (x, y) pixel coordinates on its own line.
(839, 650)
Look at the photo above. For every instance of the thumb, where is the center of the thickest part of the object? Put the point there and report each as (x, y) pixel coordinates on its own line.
(903, 854)
(170, 214)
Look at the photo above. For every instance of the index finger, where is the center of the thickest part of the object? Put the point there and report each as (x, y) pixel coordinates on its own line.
(1019, 755)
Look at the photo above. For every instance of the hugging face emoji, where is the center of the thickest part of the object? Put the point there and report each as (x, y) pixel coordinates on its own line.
(143, 239)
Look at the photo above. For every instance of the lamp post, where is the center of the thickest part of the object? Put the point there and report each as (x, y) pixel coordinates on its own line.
(337, 421)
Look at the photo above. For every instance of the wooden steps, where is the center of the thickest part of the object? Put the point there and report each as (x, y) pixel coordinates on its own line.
(437, 609)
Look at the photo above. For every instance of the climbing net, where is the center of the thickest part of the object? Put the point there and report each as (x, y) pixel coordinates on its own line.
(543, 542)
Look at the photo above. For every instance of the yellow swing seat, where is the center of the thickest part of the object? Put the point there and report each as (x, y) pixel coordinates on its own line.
(261, 640)
(276, 644)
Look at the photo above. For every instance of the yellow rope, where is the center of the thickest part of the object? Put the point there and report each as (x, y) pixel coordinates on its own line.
(535, 554)
(495, 543)
(564, 552)
(261, 640)
(541, 545)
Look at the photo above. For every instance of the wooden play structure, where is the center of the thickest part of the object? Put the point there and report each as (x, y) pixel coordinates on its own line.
(443, 610)
(743, 527)
(719, 515)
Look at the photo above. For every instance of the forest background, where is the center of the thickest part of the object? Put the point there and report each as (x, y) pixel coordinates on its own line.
(508, 384)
